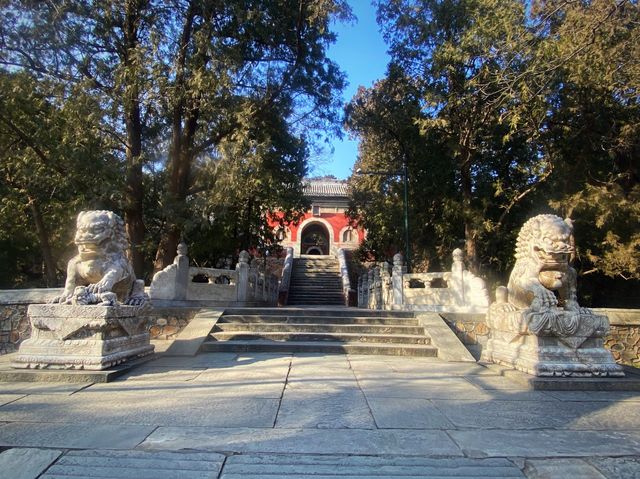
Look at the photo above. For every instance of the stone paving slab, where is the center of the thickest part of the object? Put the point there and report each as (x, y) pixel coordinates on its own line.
(312, 408)
(136, 465)
(243, 375)
(163, 373)
(157, 391)
(73, 436)
(617, 467)
(498, 414)
(491, 382)
(304, 441)
(295, 466)
(560, 469)
(8, 398)
(154, 408)
(430, 388)
(407, 413)
(23, 463)
(546, 443)
(40, 388)
(609, 396)
(199, 361)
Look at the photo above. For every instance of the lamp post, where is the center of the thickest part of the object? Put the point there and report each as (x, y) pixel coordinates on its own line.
(404, 173)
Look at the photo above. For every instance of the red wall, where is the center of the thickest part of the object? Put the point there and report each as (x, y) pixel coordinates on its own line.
(338, 221)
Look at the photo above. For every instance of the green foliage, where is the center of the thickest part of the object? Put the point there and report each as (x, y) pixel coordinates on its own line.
(53, 165)
(517, 110)
(208, 108)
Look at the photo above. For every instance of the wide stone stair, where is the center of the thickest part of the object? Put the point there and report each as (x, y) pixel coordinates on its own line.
(326, 330)
(315, 280)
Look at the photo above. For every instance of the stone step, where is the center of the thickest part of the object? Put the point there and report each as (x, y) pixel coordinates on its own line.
(316, 277)
(320, 347)
(317, 336)
(332, 312)
(341, 320)
(316, 267)
(319, 293)
(320, 328)
(315, 274)
(316, 302)
(324, 466)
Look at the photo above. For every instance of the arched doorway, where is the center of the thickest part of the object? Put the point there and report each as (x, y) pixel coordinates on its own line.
(314, 239)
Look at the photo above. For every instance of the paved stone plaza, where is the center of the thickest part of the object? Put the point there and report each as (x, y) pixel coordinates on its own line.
(265, 415)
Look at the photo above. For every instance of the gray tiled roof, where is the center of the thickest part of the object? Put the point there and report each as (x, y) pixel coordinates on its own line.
(330, 188)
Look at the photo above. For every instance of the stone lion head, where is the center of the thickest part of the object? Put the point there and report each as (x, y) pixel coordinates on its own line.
(548, 241)
(100, 232)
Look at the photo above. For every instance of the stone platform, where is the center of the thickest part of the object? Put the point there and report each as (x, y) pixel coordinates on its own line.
(247, 416)
(84, 337)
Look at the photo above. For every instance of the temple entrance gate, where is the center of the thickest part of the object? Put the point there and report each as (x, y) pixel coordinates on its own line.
(315, 239)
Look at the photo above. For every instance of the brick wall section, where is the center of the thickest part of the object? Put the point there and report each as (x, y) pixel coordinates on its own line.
(167, 323)
(471, 329)
(14, 327)
(624, 336)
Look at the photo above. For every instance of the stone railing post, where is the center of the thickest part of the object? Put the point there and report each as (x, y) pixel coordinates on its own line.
(396, 281)
(365, 290)
(372, 284)
(377, 288)
(182, 272)
(360, 291)
(456, 280)
(285, 280)
(387, 287)
(242, 269)
(347, 292)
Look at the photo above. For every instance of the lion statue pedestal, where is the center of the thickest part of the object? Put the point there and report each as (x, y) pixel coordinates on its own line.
(83, 337)
(536, 323)
(100, 320)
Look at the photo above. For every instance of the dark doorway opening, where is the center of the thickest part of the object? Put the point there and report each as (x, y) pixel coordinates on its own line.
(315, 239)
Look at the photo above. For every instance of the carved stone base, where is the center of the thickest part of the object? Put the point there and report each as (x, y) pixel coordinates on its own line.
(84, 337)
(548, 356)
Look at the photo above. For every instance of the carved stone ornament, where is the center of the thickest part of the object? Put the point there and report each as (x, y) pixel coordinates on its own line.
(100, 319)
(536, 323)
(83, 337)
(101, 273)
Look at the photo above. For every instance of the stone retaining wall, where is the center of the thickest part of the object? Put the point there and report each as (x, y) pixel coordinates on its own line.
(624, 336)
(166, 322)
(623, 339)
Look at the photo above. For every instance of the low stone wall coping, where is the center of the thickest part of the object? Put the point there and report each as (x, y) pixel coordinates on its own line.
(621, 317)
(28, 296)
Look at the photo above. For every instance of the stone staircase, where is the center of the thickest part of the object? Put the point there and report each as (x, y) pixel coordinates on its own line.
(326, 330)
(316, 280)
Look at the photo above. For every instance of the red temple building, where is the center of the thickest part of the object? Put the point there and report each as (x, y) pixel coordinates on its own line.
(324, 228)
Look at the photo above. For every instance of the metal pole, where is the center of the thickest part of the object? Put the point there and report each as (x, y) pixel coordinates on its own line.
(407, 246)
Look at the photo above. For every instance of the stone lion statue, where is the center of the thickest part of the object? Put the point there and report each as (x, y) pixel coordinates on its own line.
(101, 273)
(536, 324)
(542, 284)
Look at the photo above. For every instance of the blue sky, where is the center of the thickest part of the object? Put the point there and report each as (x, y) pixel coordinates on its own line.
(362, 55)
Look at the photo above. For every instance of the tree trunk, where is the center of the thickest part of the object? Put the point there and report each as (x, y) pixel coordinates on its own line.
(186, 114)
(470, 233)
(45, 247)
(134, 192)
